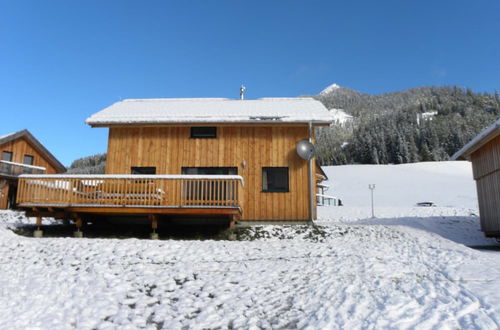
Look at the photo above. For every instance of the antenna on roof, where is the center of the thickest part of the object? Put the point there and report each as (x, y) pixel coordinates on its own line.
(242, 92)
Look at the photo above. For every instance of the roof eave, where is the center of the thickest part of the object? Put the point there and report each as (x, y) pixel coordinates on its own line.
(255, 122)
(480, 140)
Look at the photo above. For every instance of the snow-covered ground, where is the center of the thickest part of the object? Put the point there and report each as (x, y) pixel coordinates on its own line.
(444, 183)
(408, 268)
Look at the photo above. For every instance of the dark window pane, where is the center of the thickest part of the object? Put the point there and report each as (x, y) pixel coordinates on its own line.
(210, 170)
(28, 160)
(7, 155)
(144, 170)
(275, 179)
(204, 132)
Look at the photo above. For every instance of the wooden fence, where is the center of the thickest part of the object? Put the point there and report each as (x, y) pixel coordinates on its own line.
(134, 191)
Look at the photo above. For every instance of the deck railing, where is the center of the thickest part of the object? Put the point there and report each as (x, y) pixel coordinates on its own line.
(16, 169)
(130, 190)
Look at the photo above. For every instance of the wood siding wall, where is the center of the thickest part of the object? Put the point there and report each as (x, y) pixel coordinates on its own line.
(21, 147)
(170, 148)
(486, 169)
(4, 194)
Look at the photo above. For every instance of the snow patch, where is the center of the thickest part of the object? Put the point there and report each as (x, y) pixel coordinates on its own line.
(329, 89)
(340, 117)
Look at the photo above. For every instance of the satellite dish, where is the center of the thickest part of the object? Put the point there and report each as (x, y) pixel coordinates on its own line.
(305, 150)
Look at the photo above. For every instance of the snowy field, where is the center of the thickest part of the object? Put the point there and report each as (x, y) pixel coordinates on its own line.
(447, 184)
(408, 268)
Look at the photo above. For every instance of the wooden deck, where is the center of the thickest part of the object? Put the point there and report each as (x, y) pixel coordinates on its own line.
(63, 196)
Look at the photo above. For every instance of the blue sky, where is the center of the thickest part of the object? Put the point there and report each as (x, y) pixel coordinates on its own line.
(61, 61)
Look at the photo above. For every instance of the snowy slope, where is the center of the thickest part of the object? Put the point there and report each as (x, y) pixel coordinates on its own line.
(356, 277)
(329, 89)
(407, 269)
(444, 183)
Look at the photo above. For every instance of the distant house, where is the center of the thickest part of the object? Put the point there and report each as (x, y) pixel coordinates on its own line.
(340, 117)
(22, 154)
(203, 157)
(484, 152)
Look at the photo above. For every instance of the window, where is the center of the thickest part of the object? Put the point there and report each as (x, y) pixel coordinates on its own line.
(143, 170)
(210, 170)
(275, 179)
(28, 159)
(7, 155)
(203, 132)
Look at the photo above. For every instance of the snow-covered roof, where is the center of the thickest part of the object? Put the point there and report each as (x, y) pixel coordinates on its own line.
(6, 135)
(212, 110)
(27, 135)
(481, 139)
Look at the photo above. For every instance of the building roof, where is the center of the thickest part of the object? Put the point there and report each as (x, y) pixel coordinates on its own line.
(212, 110)
(28, 136)
(486, 135)
(6, 136)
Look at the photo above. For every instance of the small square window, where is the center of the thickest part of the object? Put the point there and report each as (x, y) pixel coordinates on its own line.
(143, 170)
(28, 159)
(7, 155)
(203, 132)
(275, 179)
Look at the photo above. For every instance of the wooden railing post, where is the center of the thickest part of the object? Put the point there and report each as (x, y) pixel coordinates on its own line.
(70, 192)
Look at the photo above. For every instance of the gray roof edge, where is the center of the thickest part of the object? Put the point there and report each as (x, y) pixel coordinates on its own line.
(91, 122)
(483, 137)
(25, 133)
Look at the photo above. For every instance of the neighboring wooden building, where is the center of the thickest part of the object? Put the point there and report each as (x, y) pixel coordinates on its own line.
(200, 157)
(22, 154)
(484, 152)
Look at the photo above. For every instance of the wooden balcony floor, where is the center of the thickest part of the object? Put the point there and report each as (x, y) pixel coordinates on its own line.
(60, 212)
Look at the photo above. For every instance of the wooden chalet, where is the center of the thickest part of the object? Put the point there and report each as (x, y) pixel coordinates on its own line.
(484, 153)
(22, 154)
(225, 158)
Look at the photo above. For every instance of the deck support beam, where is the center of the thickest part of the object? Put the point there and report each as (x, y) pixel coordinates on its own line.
(232, 222)
(78, 222)
(38, 232)
(154, 226)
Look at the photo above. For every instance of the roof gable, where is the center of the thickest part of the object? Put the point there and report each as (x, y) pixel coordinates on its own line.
(212, 110)
(31, 139)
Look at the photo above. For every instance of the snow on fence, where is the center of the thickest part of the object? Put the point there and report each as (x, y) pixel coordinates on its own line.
(15, 169)
(130, 190)
(322, 200)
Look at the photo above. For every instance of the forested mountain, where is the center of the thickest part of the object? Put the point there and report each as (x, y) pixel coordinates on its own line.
(94, 164)
(419, 124)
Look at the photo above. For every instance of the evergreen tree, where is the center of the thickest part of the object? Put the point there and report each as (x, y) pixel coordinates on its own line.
(403, 127)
